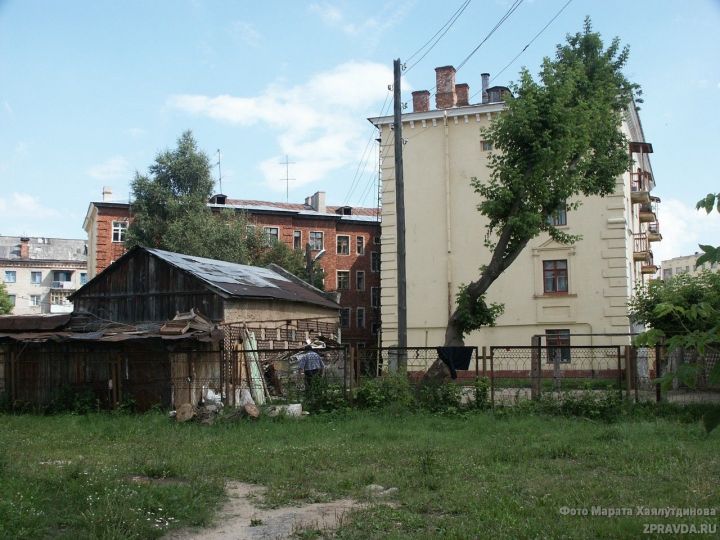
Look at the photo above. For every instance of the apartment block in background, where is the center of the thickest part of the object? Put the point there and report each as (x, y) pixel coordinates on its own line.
(349, 238)
(684, 265)
(551, 289)
(40, 273)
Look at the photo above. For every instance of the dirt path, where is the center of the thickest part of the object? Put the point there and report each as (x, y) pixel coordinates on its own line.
(241, 519)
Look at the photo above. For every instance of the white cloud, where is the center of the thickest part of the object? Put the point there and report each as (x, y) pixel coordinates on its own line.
(370, 28)
(246, 33)
(115, 168)
(683, 228)
(23, 205)
(320, 124)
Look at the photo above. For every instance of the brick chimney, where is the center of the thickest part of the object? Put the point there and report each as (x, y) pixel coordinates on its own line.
(485, 84)
(107, 194)
(317, 201)
(421, 101)
(462, 91)
(24, 247)
(445, 97)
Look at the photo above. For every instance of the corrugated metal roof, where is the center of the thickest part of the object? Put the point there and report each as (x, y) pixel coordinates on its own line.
(44, 249)
(16, 323)
(243, 281)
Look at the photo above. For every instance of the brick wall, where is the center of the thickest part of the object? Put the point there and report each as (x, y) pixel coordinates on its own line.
(108, 251)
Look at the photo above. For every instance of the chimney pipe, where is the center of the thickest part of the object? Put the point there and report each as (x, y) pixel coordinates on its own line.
(24, 247)
(485, 85)
(462, 91)
(107, 194)
(317, 201)
(445, 98)
(421, 101)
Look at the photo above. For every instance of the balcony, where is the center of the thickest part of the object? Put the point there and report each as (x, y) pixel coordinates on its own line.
(65, 285)
(640, 185)
(649, 267)
(641, 248)
(653, 233)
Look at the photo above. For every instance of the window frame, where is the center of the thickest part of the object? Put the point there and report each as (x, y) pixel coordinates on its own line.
(375, 297)
(269, 235)
(375, 261)
(358, 318)
(360, 245)
(558, 218)
(13, 299)
(345, 274)
(297, 240)
(313, 237)
(556, 273)
(346, 245)
(33, 275)
(83, 278)
(34, 300)
(486, 146)
(119, 231)
(345, 317)
(9, 273)
(358, 275)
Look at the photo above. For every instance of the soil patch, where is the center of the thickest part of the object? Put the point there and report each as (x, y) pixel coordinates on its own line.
(241, 519)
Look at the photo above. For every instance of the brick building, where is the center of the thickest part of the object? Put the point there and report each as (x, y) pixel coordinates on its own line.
(349, 237)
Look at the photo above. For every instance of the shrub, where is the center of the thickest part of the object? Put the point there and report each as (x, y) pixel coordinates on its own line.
(323, 396)
(481, 388)
(380, 392)
(445, 397)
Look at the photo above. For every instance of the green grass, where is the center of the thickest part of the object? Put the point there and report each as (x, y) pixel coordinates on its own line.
(491, 475)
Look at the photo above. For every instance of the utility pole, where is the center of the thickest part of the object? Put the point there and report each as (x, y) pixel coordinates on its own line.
(400, 219)
(287, 178)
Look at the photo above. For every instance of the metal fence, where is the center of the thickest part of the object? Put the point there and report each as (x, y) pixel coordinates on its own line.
(416, 361)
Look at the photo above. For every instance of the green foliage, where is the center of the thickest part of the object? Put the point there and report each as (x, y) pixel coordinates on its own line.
(710, 254)
(6, 306)
(473, 312)
(440, 397)
(380, 392)
(323, 396)
(481, 388)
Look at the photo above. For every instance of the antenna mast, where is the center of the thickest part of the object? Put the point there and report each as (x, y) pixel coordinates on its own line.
(287, 178)
(219, 171)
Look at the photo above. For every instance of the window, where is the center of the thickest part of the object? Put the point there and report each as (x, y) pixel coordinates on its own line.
(667, 273)
(119, 228)
(375, 261)
(36, 278)
(375, 329)
(555, 277)
(83, 278)
(12, 299)
(297, 240)
(486, 146)
(343, 280)
(559, 217)
(376, 240)
(62, 275)
(34, 299)
(375, 297)
(360, 244)
(360, 315)
(343, 245)
(345, 317)
(316, 240)
(558, 342)
(10, 276)
(360, 280)
(272, 235)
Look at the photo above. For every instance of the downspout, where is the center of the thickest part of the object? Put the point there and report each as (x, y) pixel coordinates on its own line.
(448, 223)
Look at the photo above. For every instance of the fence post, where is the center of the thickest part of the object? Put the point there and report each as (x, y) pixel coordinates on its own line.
(658, 373)
(619, 370)
(628, 372)
(535, 368)
(492, 379)
(484, 359)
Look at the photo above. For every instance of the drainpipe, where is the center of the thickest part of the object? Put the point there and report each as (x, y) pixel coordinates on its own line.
(448, 224)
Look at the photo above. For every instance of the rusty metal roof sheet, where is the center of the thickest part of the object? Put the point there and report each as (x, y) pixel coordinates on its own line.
(19, 323)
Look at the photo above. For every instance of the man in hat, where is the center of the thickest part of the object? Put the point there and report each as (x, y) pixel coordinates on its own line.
(311, 365)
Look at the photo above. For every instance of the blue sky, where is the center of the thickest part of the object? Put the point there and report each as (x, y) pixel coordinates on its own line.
(90, 91)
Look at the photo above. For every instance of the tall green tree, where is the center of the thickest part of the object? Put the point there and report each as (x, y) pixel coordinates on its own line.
(558, 138)
(6, 305)
(170, 212)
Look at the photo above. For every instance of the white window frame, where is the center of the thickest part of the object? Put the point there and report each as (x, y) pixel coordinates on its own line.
(33, 274)
(486, 146)
(337, 280)
(358, 274)
(119, 230)
(360, 245)
(297, 240)
(319, 235)
(9, 273)
(360, 320)
(34, 300)
(346, 245)
(83, 278)
(271, 233)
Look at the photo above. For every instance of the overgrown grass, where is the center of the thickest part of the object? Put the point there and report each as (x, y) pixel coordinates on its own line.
(485, 474)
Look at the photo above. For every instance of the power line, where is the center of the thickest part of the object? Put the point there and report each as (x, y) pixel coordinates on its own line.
(443, 30)
(511, 62)
(505, 17)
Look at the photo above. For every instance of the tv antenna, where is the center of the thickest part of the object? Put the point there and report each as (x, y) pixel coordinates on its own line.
(219, 171)
(287, 178)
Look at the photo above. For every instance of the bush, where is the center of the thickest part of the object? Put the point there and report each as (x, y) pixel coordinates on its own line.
(380, 392)
(323, 396)
(74, 400)
(445, 397)
(481, 388)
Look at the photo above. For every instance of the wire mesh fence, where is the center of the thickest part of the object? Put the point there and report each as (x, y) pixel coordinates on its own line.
(415, 361)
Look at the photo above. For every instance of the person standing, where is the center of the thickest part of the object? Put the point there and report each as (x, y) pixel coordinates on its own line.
(311, 365)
